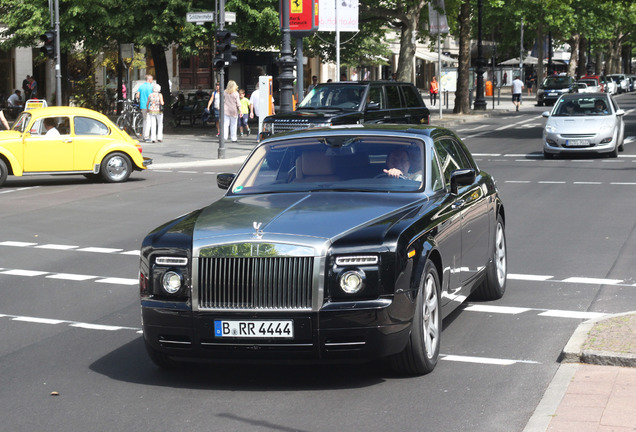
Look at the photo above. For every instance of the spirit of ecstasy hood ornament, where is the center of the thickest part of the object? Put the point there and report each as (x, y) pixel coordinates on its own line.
(259, 233)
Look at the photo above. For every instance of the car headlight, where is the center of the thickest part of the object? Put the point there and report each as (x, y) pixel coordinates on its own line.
(171, 282)
(267, 127)
(550, 129)
(352, 281)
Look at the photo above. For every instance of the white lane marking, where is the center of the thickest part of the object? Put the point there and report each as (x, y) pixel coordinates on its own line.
(72, 277)
(623, 184)
(587, 183)
(18, 189)
(27, 273)
(62, 247)
(100, 250)
(551, 182)
(518, 181)
(76, 324)
(36, 320)
(514, 276)
(497, 309)
(16, 244)
(628, 139)
(118, 281)
(484, 360)
(508, 126)
(471, 129)
(572, 314)
(56, 247)
(578, 183)
(593, 281)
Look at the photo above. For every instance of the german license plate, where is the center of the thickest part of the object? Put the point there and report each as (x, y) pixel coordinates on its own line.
(552, 94)
(254, 329)
(577, 143)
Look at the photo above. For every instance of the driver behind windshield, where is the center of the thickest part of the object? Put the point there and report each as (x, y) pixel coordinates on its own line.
(399, 165)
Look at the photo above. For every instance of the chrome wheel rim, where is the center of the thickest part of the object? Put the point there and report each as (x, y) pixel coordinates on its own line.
(500, 255)
(430, 312)
(117, 168)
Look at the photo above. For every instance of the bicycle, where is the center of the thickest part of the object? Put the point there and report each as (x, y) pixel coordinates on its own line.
(131, 119)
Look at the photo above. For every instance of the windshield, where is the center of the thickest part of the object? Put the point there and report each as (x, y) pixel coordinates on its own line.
(335, 163)
(557, 81)
(582, 106)
(345, 97)
(22, 122)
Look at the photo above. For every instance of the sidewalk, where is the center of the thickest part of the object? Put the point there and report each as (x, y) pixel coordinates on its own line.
(594, 388)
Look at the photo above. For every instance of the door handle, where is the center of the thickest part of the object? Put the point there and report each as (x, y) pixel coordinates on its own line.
(458, 204)
(68, 140)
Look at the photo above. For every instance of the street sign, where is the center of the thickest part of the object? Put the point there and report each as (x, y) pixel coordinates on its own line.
(199, 17)
(230, 17)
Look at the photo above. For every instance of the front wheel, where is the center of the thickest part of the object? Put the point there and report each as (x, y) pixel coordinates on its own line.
(422, 350)
(115, 168)
(138, 124)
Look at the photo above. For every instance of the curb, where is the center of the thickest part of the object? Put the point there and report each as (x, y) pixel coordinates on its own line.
(574, 352)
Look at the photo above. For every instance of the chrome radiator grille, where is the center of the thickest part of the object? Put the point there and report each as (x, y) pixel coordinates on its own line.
(263, 283)
(285, 127)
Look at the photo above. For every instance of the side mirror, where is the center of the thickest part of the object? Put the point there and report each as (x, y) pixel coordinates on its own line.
(461, 177)
(545, 114)
(373, 106)
(223, 181)
(620, 112)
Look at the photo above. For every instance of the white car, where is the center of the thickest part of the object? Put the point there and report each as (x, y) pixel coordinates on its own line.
(622, 85)
(584, 123)
(611, 86)
(592, 85)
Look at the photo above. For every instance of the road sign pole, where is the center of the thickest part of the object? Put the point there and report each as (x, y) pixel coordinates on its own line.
(221, 26)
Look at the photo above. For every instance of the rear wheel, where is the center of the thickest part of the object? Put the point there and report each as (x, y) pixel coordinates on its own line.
(494, 286)
(422, 350)
(4, 172)
(115, 168)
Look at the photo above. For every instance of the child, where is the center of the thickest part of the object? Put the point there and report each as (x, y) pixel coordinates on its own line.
(245, 112)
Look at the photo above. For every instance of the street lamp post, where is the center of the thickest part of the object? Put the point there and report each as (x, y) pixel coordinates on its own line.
(286, 62)
(480, 100)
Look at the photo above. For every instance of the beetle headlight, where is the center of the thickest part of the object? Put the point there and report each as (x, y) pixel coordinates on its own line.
(352, 281)
(171, 282)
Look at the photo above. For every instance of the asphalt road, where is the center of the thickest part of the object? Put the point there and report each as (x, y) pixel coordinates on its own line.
(72, 358)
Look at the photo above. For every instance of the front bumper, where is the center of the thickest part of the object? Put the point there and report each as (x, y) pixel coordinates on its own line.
(555, 144)
(338, 332)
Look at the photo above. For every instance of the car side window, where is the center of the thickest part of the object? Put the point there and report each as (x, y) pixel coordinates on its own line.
(451, 156)
(89, 126)
(376, 95)
(410, 96)
(57, 125)
(437, 180)
(393, 96)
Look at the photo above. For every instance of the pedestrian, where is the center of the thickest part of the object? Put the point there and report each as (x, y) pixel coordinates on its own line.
(15, 100)
(231, 110)
(529, 82)
(215, 102)
(142, 94)
(33, 88)
(354, 75)
(255, 108)
(505, 79)
(245, 113)
(433, 90)
(25, 87)
(4, 121)
(155, 114)
(517, 89)
(314, 82)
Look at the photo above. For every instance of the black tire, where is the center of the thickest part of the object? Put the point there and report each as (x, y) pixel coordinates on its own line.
(4, 172)
(613, 153)
(160, 359)
(494, 286)
(138, 125)
(422, 350)
(116, 167)
(547, 155)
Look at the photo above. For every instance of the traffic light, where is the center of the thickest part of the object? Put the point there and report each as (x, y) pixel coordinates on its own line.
(225, 50)
(48, 38)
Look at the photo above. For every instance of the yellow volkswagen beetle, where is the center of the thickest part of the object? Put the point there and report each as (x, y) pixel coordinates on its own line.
(67, 140)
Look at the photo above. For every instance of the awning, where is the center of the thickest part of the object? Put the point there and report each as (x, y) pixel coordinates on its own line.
(433, 57)
(529, 60)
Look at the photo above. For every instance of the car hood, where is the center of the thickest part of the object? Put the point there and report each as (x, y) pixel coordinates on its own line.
(314, 115)
(578, 125)
(9, 135)
(294, 216)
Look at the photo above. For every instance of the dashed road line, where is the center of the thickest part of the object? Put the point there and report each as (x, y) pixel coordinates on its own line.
(69, 276)
(76, 324)
(91, 249)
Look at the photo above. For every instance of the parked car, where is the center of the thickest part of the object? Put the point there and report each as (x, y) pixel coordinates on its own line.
(332, 104)
(611, 85)
(598, 79)
(592, 85)
(579, 87)
(335, 244)
(584, 123)
(553, 87)
(622, 85)
(86, 142)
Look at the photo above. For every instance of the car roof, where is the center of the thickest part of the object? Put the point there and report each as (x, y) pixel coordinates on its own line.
(368, 129)
(585, 95)
(65, 110)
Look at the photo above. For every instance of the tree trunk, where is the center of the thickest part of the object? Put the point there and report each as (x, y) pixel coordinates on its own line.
(540, 54)
(462, 100)
(161, 70)
(582, 67)
(598, 67)
(408, 34)
(574, 54)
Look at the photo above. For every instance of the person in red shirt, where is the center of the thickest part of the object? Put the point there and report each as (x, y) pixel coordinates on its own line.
(433, 90)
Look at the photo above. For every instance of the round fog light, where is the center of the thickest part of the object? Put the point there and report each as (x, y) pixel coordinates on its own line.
(351, 281)
(171, 282)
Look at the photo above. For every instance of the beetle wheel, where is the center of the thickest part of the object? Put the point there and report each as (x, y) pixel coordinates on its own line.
(115, 168)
